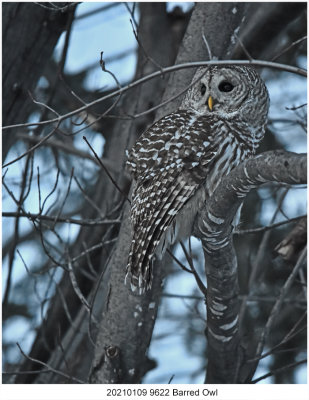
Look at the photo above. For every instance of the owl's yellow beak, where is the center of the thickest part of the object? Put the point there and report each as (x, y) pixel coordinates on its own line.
(210, 103)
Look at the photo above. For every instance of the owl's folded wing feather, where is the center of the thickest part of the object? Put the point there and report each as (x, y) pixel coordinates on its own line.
(158, 197)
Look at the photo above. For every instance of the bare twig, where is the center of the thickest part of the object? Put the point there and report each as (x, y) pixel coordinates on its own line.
(88, 199)
(278, 370)
(199, 282)
(48, 367)
(277, 305)
(44, 105)
(106, 171)
(52, 190)
(35, 146)
(252, 299)
(243, 47)
(257, 261)
(267, 227)
(76, 287)
(292, 333)
(53, 7)
(52, 218)
(181, 265)
(19, 204)
(296, 108)
(38, 371)
(258, 63)
(64, 199)
(93, 248)
(296, 42)
(206, 44)
(137, 38)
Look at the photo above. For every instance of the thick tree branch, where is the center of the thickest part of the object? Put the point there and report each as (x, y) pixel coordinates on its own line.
(214, 227)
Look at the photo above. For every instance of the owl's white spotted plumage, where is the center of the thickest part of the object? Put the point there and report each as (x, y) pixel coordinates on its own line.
(179, 161)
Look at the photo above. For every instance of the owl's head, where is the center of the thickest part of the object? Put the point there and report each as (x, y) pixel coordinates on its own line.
(229, 92)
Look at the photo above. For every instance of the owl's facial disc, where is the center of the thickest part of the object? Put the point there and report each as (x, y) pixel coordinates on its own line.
(218, 92)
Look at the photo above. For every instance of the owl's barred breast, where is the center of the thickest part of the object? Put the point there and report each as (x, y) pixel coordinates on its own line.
(180, 160)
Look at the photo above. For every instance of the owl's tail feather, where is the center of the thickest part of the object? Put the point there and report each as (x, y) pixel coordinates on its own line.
(146, 242)
(139, 280)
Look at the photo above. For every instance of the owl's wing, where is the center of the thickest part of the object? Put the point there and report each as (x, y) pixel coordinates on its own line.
(157, 200)
(152, 150)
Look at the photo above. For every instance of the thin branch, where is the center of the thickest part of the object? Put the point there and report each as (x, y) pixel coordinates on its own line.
(45, 138)
(19, 204)
(275, 310)
(141, 46)
(65, 198)
(256, 267)
(183, 296)
(106, 171)
(289, 47)
(93, 248)
(52, 190)
(55, 8)
(267, 227)
(66, 41)
(243, 47)
(258, 63)
(76, 287)
(102, 65)
(88, 199)
(206, 44)
(278, 370)
(39, 103)
(52, 218)
(92, 270)
(296, 108)
(48, 367)
(199, 282)
(38, 371)
(250, 299)
(290, 335)
(181, 265)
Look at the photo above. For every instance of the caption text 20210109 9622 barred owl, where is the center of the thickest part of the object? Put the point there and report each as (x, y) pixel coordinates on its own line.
(179, 161)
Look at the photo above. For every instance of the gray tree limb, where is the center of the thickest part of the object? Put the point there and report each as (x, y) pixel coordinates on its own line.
(214, 227)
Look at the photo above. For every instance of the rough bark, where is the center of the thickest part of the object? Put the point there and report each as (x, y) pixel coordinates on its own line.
(127, 319)
(29, 35)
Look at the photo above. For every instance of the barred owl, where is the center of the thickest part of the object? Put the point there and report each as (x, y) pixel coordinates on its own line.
(179, 161)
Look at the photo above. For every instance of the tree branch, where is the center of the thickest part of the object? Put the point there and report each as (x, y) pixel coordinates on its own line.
(57, 219)
(214, 227)
(257, 63)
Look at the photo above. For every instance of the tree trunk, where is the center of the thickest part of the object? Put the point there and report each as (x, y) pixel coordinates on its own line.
(29, 36)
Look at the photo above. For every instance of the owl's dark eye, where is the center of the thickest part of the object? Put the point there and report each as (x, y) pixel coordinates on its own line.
(203, 89)
(225, 86)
